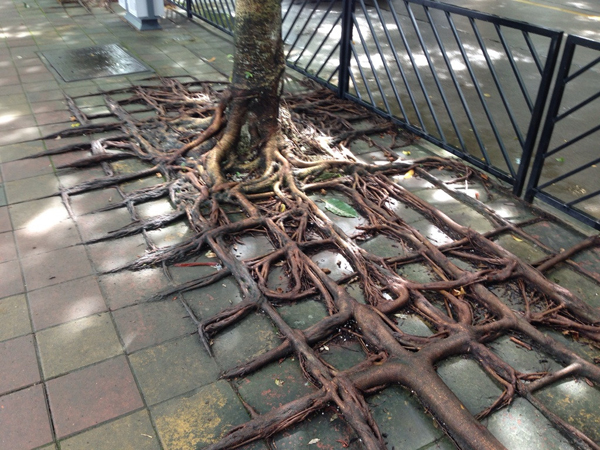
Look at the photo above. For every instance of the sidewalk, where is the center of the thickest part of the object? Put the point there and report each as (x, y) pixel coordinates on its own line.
(86, 364)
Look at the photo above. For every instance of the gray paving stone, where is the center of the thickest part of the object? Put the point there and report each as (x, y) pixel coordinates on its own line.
(173, 368)
(77, 344)
(14, 317)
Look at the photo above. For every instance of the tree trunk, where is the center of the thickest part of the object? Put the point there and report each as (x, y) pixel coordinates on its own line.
(256, 85)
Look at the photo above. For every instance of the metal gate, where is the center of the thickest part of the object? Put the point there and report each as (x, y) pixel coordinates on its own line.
(566, 170)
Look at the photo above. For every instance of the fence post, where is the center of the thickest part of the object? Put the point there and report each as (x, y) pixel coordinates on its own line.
(345, 47)
(188, 8)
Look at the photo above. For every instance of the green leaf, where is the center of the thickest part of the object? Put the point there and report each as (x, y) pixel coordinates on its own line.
(340, 208)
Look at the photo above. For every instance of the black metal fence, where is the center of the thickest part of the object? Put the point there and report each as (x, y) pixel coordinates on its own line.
(566, 170)
(473, 83)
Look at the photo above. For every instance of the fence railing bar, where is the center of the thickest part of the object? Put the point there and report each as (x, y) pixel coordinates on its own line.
(300, 33)
(230, 14)
(285, 37)
(314, 33)
(362, 74)
(577, 107)
(480, 96)
(431, 68)
(318, 72)
(568, 174)
(321, 46)
(461, 96)
(582, 70)
(514, 67)
(584, 198)
(402, 74)
(415, 68)
(581, 216)
(337, 69)
(534, 53)
(505, 101)
(572, 141)
(383, 60)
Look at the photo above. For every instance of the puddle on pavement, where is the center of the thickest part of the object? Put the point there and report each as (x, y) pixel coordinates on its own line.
(336, 264)
(93, 62)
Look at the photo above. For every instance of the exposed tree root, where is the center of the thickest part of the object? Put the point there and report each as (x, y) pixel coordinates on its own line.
(231, 176)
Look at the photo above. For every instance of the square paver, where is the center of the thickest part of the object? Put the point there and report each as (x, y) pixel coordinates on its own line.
(113, 254)
(31, 188)
(26, 168)
(77, 344)
(127, 287)
(55, 267)
(173, 368)
(148, 324)
(93, 395)
(132, 432)
(24, 420)
(41, 214)
(96, 225)
(8, 250)
(198, 419)
(14, 316)
(19, 366)
(34, 239)
(93, 62)
(65, 302)
(92, 201)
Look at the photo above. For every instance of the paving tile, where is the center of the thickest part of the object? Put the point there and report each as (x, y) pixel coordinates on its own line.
(113, 254)
(77, 344)
(92, 201)
(402, 418)
(132, 432)
(65, 302)
(127, 288)
(8, 249)
(34, 240)
(26, 168)
(3, 201)
(93, 395)
(45, 96)
(513, 427)
(24, 420)
(97, 225)
(19, 366)
(173, 368)
(38, 215)
(14, 316)
(18, 134)
(198, 419)
(274, 385)
(55, 267)
(31, 188)
(5, 224)
(16, 151)
(232, 346)
(149, 324)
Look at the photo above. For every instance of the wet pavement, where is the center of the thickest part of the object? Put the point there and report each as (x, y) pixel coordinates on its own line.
(87, 363)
